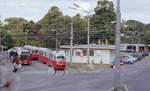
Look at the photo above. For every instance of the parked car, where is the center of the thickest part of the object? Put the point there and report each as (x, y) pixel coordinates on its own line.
(130, 57)
(127, 60)
(138, 56)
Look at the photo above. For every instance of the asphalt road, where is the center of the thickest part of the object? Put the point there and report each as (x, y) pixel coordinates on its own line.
(36, 77)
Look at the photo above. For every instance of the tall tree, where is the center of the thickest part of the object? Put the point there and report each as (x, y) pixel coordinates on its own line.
(14, 26)
(137, 28)
(52, 20)
(105, 16)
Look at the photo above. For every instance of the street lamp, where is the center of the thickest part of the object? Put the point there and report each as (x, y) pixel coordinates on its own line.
(88, 28)
(117, 76)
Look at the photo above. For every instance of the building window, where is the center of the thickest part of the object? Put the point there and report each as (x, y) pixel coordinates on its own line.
(77, 53)
(97, 53)
(84, 52)
(91, 52)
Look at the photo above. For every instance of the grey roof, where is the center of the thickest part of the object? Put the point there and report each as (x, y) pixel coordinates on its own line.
(106, 47)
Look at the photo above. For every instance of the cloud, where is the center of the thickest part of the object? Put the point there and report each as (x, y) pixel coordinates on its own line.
(36, 9)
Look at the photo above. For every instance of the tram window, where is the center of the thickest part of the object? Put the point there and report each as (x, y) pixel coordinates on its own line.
(32, 51)
(60, 58)
(41, 53)
(36, 51)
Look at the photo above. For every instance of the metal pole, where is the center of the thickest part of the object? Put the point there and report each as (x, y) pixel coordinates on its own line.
(56, 40)
(71, 42)
(0, 36)
(132, 42)
(88, 40)
(26, 37)
(117, 77)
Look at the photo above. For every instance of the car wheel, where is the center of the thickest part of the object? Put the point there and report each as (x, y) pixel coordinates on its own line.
(130, 62)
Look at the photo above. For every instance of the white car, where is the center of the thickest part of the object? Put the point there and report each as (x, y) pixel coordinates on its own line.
(131, 57)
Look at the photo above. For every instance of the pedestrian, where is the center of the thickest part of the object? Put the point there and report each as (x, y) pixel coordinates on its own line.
(15, 62)
(11, 55)
(8, 80)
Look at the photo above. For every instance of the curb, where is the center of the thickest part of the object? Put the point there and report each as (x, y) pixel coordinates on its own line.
(125, 86)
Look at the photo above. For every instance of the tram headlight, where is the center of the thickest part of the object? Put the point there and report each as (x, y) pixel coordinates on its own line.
(57, 62)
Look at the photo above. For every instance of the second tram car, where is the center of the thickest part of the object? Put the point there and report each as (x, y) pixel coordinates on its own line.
(33, 50)
(53, 58)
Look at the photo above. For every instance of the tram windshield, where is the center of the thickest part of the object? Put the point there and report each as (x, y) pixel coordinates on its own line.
(60, 58)
(25, 55)
(36, 51)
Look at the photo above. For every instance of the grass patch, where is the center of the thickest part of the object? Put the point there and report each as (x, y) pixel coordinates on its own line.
(124, 53)
(78, 66)
(122, 88)
(84, 66)
(101, 66)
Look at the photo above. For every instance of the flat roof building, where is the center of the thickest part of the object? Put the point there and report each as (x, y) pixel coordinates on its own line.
(99, 54)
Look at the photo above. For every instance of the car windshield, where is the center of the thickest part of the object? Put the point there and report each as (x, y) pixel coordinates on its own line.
(134, 55)
(60, 58)
(126, 57)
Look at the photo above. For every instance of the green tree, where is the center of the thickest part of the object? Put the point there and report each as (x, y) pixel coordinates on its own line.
(52, 20)
(14, 26)
(7, 40)
(136, 28)
(105, 16)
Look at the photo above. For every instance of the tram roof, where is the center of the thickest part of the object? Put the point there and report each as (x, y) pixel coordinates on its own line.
(31, 47)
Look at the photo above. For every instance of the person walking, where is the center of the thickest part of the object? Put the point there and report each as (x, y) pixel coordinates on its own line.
(15, 62)
(8, 80)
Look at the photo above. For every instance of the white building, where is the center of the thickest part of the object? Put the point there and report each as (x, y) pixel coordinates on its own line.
(98, 53)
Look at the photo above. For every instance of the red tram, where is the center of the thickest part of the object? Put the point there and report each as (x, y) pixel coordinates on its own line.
(25, 57)
(33, 50)
(53, 58)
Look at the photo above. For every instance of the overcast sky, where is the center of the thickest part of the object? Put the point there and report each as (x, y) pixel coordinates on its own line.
(36, 9)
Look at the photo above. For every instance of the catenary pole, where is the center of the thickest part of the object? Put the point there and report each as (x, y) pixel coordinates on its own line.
(0, 36)
(117, 76)
(56, 41)
(71, 42)
(88, 52)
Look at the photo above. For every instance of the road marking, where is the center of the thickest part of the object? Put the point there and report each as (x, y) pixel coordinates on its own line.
(34, 72)
(132, 72)
(33, 84)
